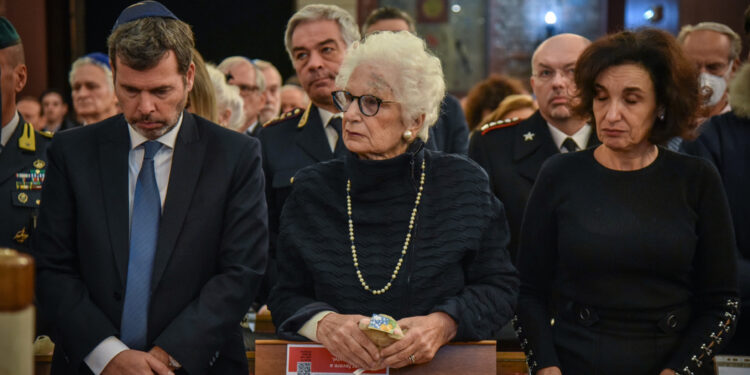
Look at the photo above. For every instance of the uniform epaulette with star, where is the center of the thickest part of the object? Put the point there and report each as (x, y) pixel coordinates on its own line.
(283, 117)
(499, 124)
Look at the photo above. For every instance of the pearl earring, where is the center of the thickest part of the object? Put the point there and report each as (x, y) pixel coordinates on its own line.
(407, 135)
(661, 115)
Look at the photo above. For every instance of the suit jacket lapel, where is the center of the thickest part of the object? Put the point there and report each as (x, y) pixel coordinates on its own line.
(187, 160)
(532, 146)
(114, 147)
(313, 139)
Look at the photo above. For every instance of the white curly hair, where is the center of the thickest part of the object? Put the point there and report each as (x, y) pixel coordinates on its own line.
(417, 75)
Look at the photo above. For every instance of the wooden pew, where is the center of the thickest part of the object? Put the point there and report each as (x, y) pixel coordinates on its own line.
(456, 358)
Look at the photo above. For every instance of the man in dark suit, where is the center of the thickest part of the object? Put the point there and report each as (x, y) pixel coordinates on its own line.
(23, 159)
(450, 133)
(155, 242)
(513, 152)
(317, 37)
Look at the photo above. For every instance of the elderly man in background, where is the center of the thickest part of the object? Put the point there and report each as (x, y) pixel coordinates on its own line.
(93, 91)
(291, 97)
(715, 49)
(513, 152)
(451, 132)
(316, 38)
(272, 93)
(155, 243)
(243, 73)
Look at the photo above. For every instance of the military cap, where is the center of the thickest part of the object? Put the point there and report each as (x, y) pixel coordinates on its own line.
(143, 9)
(8, 34)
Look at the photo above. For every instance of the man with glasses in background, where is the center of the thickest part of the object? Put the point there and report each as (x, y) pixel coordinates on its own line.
(715, 49)
(241, 72)
(513, 152)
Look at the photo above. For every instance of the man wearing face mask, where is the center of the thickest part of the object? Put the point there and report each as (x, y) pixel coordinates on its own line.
(715, 49)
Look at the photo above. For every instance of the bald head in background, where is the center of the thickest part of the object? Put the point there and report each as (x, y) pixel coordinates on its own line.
(552, 70)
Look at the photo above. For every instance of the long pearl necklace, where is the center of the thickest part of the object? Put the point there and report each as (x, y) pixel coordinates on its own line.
(406, 242)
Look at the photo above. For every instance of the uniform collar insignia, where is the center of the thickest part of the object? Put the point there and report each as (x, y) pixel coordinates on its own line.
(529, 136)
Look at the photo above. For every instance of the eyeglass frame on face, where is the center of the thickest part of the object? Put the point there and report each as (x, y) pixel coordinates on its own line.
(341, 107)
(245, 90)
(567, 73)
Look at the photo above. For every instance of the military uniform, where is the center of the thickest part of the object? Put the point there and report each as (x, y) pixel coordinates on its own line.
(292, 141)
(512, 153)
(23, 162)
(450, 132)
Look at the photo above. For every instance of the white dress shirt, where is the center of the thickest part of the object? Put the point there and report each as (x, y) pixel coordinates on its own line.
(98, 359)
(331, 133)
(581, 137)
(9, 129)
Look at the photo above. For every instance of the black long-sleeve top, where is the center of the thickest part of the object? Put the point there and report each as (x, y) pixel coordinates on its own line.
(639, 241)
(456, 262)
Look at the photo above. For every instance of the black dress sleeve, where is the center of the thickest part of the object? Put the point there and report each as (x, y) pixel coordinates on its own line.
(537, 262)
(715, 301)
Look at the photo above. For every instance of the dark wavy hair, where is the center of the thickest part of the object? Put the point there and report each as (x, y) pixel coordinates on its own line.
(487, 95)
(675, 78)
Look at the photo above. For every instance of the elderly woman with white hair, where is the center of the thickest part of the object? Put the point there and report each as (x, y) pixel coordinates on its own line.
(228, 100)
(392, 228)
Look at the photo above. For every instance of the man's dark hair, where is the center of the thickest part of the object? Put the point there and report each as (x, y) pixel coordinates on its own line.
(674, 77)
(747, 22)
(52, 91)
(388, 13)
(142, 43)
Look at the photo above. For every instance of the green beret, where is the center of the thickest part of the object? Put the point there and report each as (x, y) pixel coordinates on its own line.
(8, 34)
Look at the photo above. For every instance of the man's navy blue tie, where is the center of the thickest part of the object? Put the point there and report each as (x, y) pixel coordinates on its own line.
(340, 150)
(144, 232)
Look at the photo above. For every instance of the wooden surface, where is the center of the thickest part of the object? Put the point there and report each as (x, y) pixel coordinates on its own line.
(508, 363)
(16, 280)
(511, 363)
(475, 358)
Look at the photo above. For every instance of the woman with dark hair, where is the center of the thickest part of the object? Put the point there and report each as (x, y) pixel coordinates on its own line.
(627, 253)
(486, 95)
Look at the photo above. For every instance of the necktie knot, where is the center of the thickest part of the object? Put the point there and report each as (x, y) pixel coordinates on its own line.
(570, 145)
(151, 147)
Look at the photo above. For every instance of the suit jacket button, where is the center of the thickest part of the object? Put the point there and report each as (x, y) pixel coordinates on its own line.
(672, 321)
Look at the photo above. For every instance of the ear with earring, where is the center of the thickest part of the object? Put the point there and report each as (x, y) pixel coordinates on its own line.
(660, 114)
(407, 135)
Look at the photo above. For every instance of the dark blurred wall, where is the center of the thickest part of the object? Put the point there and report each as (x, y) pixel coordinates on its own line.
(222, 28)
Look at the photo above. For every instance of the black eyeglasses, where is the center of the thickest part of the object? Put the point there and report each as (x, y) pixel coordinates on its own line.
(369, 105)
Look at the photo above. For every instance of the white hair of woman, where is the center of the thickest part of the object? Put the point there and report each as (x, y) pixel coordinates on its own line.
(318, 12)
(228, 100)
(414, 74)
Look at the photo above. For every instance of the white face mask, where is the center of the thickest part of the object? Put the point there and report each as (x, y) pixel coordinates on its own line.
(713, 87)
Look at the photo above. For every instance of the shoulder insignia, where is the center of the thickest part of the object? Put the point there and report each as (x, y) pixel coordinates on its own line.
(284, 116)
(499, 124)
(27, 142)
(47, 133)
(303, 121)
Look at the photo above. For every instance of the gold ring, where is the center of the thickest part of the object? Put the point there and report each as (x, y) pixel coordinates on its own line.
(411, 359)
